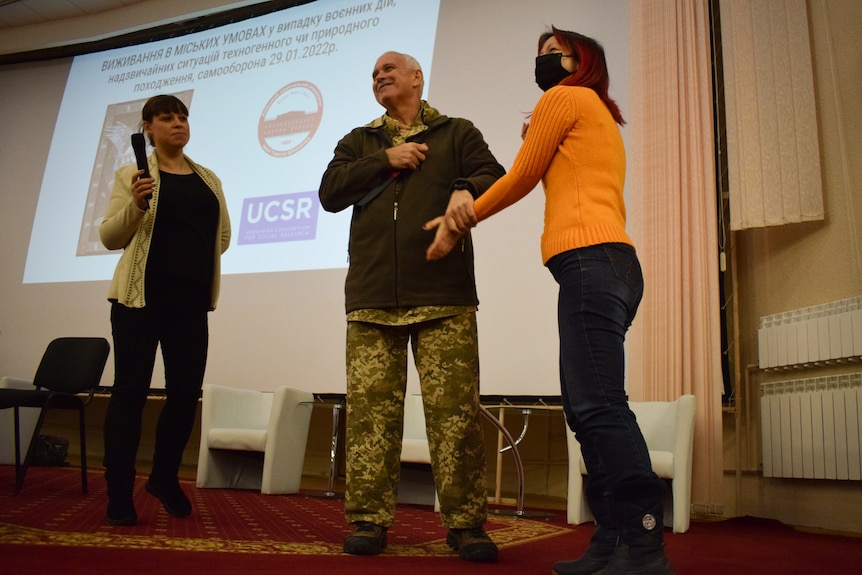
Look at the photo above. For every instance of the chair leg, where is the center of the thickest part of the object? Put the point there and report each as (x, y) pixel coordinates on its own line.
(17, 447)
(19, 475)
(83, 452)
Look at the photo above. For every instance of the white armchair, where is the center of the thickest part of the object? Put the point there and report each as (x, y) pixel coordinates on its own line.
(252, 439)
(414, 440)
(668, 428)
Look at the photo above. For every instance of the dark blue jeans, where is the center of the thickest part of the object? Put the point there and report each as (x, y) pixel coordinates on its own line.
(600, 289)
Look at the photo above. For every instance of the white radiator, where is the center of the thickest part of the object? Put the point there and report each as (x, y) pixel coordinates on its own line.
(826, 333)
(811, 427)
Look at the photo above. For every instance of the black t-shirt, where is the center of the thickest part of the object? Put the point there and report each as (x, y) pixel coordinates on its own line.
(180, 261)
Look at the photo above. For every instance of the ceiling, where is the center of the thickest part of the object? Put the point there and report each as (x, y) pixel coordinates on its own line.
(24, 12)
(16, 14)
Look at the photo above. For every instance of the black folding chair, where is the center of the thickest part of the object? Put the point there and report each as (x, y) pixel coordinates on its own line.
(71, 367)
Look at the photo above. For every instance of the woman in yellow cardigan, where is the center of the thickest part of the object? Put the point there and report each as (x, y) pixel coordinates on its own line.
(172, 226)
(574, 147)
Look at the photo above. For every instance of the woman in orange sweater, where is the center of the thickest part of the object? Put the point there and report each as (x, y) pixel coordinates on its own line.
(574, 147)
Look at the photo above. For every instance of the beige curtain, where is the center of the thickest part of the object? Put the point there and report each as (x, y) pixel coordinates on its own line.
(674, 346)
(773, 151)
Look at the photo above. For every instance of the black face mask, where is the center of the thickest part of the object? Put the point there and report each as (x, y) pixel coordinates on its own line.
(550, 71)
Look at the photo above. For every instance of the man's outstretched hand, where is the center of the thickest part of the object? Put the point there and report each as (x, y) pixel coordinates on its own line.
(444, 240)
(456, 222)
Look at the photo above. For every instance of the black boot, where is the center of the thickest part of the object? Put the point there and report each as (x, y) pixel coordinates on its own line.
(164, 481)
(168, 491)
(164, 484)
(121, 507)
(640, 522)
(602, 544)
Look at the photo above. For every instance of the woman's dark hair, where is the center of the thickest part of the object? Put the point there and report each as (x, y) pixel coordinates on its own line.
(162, 104)
(592, 69)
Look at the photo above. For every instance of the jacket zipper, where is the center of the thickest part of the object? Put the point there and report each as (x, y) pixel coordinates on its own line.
(395, 235)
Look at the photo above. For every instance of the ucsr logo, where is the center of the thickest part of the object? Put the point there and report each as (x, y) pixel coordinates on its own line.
(280, 218)
(270, 210)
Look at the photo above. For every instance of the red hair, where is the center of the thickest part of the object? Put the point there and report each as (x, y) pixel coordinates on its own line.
(592, 69)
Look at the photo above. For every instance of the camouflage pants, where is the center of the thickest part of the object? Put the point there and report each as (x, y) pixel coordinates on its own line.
(446, 357)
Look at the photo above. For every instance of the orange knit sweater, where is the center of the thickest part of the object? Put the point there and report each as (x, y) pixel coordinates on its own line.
(576, 149)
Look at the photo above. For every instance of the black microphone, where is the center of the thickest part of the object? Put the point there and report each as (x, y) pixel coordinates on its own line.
(140, 148)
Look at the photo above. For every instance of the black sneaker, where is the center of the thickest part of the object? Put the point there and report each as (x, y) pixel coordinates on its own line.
(172, 497)
(366, 539)
(472, 545)
(121, 511)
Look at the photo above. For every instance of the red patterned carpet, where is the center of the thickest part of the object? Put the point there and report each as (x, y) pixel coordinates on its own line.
(287, 532)
(51, 527)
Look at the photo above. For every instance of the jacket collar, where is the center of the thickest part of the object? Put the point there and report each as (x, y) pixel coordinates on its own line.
(428, 116)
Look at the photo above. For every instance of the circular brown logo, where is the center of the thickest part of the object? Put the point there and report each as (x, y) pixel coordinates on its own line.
(290, 119)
